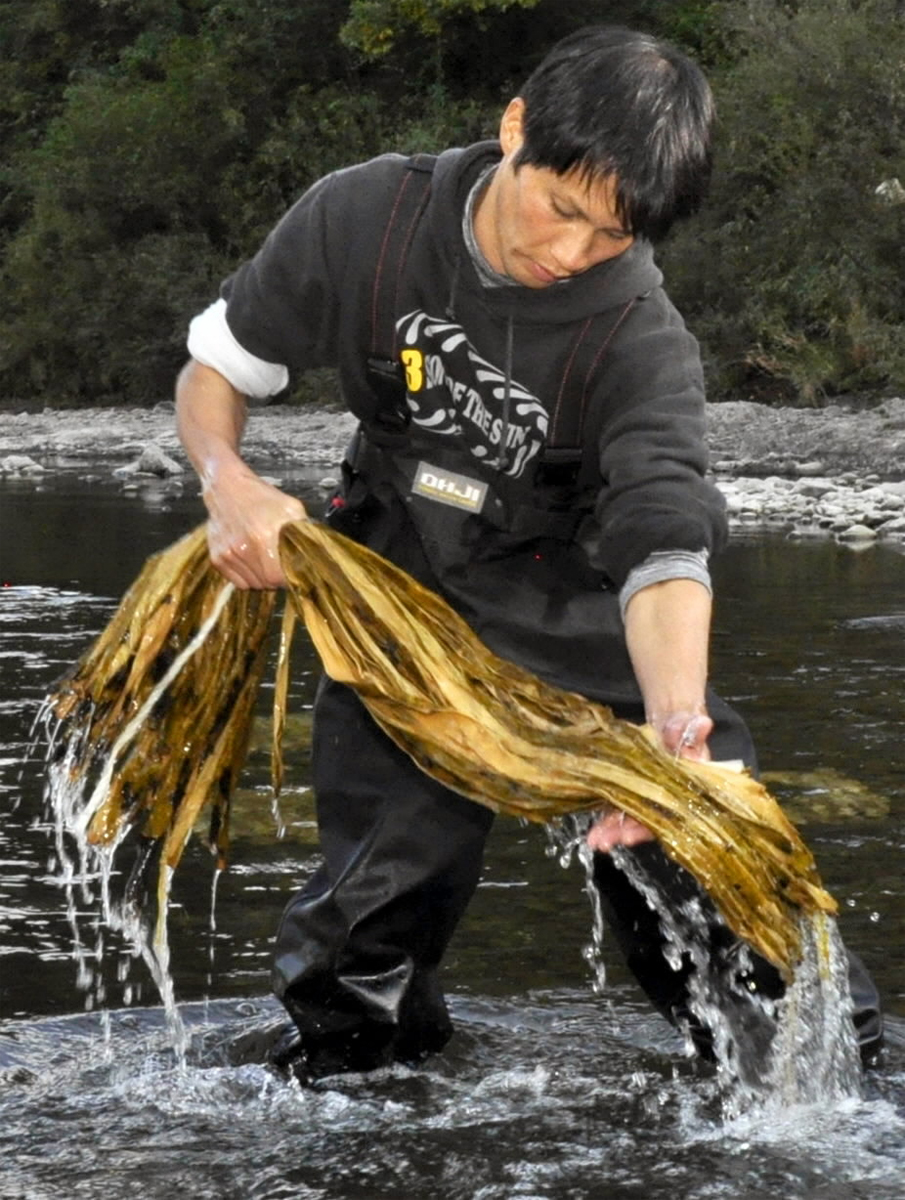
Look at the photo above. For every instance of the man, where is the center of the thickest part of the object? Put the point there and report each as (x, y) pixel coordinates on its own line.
(532, 447)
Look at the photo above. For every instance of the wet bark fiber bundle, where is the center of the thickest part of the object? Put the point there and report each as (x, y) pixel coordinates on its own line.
(187, 751)
(485, 727)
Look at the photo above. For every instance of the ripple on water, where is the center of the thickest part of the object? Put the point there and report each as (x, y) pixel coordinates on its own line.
(95, 1105)
(891, 621)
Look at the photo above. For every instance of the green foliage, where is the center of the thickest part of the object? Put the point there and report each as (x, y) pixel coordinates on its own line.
(146, 147)
(792, 276)
(141, 186)
(125, 191)
(700, 28)
(374, 26)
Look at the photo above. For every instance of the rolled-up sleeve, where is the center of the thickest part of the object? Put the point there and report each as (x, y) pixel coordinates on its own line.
(211, 342)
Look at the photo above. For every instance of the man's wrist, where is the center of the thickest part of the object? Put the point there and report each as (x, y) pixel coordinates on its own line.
(660, 715)
(224, 468)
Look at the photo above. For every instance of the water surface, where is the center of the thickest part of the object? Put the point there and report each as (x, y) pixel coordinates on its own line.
(547, 1091)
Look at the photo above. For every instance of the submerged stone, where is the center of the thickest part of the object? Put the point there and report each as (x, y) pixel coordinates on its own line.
(824, 794)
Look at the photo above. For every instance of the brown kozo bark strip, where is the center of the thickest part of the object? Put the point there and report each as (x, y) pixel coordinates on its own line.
(483, 726)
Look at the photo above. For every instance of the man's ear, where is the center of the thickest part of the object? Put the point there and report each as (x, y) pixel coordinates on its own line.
(512, 128)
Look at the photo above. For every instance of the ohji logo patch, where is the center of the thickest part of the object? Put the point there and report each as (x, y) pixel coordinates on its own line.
(448, 487)
(413, 361)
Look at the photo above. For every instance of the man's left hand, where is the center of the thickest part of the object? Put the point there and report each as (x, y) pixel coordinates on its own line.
(684, 735)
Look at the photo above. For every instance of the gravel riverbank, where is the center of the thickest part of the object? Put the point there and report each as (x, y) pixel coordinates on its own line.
(834, 471)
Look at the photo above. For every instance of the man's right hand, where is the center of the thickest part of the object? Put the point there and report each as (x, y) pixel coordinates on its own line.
(246, 512)
(246, 515)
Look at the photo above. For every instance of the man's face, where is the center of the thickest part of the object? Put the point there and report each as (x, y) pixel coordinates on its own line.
(538, 227)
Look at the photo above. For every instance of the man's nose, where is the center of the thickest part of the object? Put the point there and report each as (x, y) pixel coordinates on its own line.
(573, 250)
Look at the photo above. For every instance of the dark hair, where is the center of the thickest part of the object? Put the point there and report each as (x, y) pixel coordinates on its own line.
(610, 101)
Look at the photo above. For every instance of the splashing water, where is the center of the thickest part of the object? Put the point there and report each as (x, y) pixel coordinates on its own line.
(86, 871)
(566, 840)
(815, 1055)
(799, 1048)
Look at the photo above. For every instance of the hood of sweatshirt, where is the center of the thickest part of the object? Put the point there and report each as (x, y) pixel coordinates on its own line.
(609, 285)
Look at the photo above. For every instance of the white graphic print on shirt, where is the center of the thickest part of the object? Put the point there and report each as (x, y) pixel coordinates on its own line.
(452, 390)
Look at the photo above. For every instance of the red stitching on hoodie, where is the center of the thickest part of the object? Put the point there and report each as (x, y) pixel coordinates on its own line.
(565, 378)
(406, 179)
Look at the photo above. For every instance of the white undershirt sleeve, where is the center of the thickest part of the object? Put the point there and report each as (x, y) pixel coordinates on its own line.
(211, 342)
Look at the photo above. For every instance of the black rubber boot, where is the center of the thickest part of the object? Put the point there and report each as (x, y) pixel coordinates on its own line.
(358, 948)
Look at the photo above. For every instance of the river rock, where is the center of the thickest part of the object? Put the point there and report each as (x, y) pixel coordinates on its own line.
(814, 487)
(893, 528)
(824, 794)
(811, 468)
(153, 460)
(857, 533)
(19, 464)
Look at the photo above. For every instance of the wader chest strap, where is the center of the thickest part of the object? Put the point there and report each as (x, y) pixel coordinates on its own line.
(565, 435)
(408, 207)
(385, 374)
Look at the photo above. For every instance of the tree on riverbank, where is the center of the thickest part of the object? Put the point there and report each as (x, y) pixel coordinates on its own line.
(147, 146)
(792, 276)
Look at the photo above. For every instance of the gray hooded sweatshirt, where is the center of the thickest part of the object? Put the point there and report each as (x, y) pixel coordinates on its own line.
(488, 373)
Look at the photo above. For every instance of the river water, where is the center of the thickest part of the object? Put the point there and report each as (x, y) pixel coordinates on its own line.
(548, 1090)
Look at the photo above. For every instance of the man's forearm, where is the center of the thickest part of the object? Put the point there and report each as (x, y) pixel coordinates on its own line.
(667, 630)
(246, 512)
(210, 418)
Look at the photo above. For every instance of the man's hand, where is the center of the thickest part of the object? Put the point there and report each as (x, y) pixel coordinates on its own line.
(246, 515)
(684, 735)
(246, 512)
(615, 828)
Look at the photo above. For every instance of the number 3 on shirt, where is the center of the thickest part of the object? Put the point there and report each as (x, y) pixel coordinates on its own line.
(413, 361)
